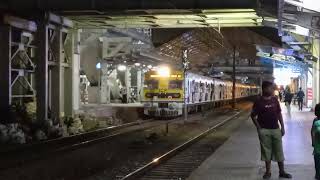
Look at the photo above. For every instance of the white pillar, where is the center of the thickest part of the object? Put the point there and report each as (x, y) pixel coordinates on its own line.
(139, 85)
(315, 84)
(105, 88)
(316, 73)
(128, 83)
(76, 72)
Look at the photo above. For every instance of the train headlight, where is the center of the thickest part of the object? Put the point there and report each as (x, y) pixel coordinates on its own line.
(163, 71)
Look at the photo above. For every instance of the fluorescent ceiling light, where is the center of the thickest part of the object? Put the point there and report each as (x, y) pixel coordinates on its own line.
(121, 18)
(98, 66)
(238, 25)
(232, 15)
(227, 10)
(234, 21)
(137, 64)
(312, 5)
(176, 16)
(163, 71)
(122, 67)
(127, 22)
(300, 30)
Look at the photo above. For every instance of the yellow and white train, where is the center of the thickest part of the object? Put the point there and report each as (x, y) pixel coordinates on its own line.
(164, 94)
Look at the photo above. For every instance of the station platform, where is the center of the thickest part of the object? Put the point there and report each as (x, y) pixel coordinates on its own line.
(239, 157)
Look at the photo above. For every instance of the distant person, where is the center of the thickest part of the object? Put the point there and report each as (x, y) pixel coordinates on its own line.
(315, 137)
(276, 94)
(266, 113)
(280, 95)
(288, 96)
(300, 96)
(288, 99)
(123, 92)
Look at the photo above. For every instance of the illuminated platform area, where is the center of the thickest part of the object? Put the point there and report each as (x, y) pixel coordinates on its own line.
(239, 157)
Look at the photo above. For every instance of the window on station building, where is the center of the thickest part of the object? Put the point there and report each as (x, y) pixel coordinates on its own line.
(175, 84)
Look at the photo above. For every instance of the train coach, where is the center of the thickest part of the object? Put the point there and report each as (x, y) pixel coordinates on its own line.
(164, 93)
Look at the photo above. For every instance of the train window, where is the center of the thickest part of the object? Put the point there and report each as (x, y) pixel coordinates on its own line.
(151, 84)
(175, 84)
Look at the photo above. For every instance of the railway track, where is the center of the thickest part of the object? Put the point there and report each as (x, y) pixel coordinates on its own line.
(178, 163)
(16, 156)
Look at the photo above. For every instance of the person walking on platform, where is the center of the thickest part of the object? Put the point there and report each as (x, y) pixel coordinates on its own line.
(266, 113)
(300, 96)
(280, 95)
(315, 137)
(288, 99)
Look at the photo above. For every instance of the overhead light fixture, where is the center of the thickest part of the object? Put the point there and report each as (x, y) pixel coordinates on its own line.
(137, 64)
(232, 15)
(122, 67)
(163, 71)
(149, 66)
(226, 10)
(98, 66)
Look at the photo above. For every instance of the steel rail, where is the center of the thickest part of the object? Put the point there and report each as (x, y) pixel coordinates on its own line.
(163, 158)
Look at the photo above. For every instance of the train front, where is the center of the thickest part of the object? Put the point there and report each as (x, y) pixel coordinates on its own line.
(163, 93)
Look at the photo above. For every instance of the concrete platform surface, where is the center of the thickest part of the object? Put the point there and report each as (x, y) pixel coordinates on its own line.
(239, 157)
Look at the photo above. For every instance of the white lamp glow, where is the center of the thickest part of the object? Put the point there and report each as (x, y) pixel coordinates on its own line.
(163, 71)
(98, 65)
(122, 68)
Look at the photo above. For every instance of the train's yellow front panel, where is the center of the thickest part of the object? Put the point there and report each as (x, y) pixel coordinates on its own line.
(163, 87)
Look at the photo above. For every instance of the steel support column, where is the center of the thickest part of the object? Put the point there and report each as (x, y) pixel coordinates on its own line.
(55, 54)
(234, 78)
(68, 74)
(128, 83)
(139, 85)
(76, 71)
(316, 73)
(57, 84)
(42, 71)
(5, 68)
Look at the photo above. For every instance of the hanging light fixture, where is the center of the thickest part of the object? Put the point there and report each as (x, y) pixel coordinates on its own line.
(122, 67)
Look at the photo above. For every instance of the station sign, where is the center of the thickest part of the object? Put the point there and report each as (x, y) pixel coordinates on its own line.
(309, 94)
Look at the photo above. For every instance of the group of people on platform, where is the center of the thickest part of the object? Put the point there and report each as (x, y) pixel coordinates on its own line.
(287, 97)
(267, 117)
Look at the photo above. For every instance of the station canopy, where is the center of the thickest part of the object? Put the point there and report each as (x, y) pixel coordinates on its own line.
(173, 19)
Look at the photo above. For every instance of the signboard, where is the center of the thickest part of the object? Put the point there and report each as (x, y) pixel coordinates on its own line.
(309, 94)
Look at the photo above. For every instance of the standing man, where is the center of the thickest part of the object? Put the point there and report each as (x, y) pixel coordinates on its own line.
(266, 114)
(300, 96)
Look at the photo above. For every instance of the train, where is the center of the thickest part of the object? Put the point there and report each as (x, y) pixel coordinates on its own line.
(164, 93)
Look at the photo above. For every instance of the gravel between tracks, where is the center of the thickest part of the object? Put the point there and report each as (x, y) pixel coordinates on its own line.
(116, 158)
